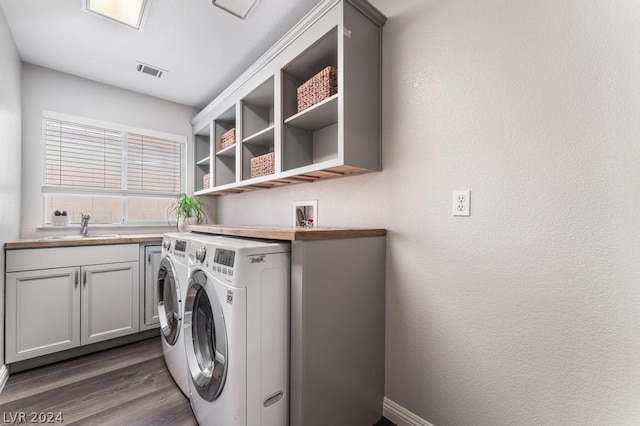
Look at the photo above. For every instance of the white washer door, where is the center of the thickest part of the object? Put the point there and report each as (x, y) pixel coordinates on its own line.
(169, 302)
(205, 337)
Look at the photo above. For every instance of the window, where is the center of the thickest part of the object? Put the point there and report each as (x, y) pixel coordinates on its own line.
(114, 173)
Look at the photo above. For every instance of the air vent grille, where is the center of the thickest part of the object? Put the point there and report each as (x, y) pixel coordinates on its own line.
(150, 70)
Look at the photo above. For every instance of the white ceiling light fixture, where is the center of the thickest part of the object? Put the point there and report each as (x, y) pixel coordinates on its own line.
(239, 8)
(131, 13)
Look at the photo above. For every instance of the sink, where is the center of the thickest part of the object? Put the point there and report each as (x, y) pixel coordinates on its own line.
(77, 237)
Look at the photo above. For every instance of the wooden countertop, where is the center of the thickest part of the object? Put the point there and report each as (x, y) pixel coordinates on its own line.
(87, 241)
(287, 233)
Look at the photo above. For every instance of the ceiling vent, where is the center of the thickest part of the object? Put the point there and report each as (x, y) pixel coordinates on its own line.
(150, 70)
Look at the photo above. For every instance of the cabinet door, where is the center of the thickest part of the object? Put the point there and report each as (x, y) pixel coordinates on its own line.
(153, 256)
(110, 295)
(43, 312)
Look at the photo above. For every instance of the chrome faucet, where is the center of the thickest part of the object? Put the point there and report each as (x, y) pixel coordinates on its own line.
(84, 224)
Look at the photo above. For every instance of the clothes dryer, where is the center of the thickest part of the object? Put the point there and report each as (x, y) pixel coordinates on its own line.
(236, 331)
(172, 288)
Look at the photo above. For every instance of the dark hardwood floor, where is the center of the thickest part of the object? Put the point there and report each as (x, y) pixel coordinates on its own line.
(129, 385)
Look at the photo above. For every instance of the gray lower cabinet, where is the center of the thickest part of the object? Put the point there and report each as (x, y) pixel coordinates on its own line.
(56, 308)
(337, 331)
(109, 306)
(43, 312)
(152, 256)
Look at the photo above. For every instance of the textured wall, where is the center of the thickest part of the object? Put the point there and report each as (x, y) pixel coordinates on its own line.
(10, 131)
(46, 89)
(528, 311)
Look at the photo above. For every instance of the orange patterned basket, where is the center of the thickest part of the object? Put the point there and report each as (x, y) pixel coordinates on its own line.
(262, 165)
(228, 138)
(318, 88)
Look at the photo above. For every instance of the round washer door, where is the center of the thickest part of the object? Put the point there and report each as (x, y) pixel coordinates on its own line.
(169, 302)
(205, 337)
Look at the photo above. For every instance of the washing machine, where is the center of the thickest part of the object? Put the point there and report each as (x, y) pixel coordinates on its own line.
(172, 288)
(236, 327)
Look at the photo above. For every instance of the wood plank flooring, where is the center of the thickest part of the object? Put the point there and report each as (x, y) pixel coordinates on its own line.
(128, 385)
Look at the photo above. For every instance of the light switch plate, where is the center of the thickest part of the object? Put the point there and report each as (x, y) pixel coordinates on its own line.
(461, 203)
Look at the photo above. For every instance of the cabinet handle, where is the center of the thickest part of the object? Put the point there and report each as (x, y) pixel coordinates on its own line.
(149, 258)
(84, 278)
(76, 278)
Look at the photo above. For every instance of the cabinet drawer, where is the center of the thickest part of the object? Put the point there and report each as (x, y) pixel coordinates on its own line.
(60, 257)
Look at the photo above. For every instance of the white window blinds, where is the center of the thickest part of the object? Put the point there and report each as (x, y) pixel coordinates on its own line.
(80, 157)
(153, 164)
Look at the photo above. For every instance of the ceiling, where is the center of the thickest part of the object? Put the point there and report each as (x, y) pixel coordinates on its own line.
(201, 47)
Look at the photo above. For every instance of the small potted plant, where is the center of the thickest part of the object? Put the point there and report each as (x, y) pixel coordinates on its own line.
(59, 218)
(188, 210)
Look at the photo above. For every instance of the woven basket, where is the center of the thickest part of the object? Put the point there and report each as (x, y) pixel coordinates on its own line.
(262, 165)
(228, 138)
(318, 88)
(206, 181)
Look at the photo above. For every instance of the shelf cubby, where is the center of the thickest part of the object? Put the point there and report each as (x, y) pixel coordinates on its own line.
(202, 145)
(258, 109)
(310, 136)
(321, 54)
(225, 158)
(258, 129)
(304, 147)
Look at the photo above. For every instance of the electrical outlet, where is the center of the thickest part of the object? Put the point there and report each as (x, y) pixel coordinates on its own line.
(461, 203)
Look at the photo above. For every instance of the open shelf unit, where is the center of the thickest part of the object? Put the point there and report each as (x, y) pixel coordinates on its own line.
(338, 136)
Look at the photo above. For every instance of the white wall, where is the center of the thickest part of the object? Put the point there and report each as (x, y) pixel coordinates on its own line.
(46, 89)
(528, 311)
(10, 131)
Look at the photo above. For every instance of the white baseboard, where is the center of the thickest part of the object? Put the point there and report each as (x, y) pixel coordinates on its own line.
(400, 415)
(4, 376)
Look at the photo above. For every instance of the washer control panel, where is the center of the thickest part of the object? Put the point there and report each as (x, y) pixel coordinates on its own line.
(177, 248)
(180, 245)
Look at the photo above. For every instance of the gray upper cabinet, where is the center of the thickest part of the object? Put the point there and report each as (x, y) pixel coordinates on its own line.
(337, 136)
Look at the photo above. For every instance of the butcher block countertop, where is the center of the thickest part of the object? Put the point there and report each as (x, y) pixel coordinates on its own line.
(287, 233)
(46, 242)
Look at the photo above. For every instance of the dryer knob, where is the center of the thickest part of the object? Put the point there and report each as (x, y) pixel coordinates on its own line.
(201, 254)
(166, 245)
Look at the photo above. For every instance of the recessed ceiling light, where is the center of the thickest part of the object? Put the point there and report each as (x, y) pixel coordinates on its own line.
(239, 8)
(131, 13)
